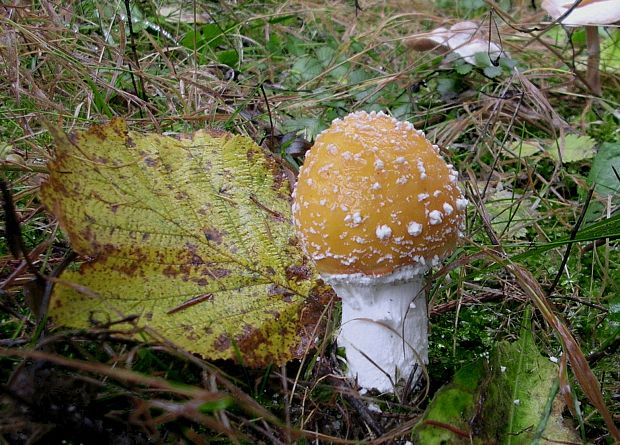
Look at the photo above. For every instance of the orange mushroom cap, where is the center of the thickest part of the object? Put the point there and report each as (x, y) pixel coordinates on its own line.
(374, 196)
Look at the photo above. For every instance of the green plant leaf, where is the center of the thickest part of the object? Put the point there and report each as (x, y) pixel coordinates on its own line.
(307, 67)
(603, 178)
(192, 236)
(446, 420)
(463, 68)
(610, 52)
(228, 57)
(510, 213)
(526, 148)
(482, 60)
(574, 148)
(511, 399)
(492, 71)
(602, 174)
(533, 411)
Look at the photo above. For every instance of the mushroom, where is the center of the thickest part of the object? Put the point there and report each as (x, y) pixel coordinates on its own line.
(464, 39)
(375, 206)
(588, 13)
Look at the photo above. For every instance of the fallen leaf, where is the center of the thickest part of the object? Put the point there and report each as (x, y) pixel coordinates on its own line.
(573, 148)
(191, 236)
(511, 399)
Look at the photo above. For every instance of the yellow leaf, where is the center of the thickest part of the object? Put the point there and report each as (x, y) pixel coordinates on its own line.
(192, 236)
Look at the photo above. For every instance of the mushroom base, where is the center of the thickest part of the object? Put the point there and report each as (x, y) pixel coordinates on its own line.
(384, 330)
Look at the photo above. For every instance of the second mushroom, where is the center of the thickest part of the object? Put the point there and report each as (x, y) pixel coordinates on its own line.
(375, 206)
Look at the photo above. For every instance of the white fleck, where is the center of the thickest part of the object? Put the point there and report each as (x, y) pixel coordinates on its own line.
(373, 407)
(309, 181)
(435, 217)
(379, 165)
(348, 261)
(414, 228)
(402, 180)
(412, 305)
(516, 402)
(461, 203)
(400, 160)
(360, 240)
(357, 218)
(323, 201)
(343, 207)
(383, 232)
(422, 196)
(325, 168)
(502, 368)
(375, 186)
(421, 169)
(436, 193)
(332, 149)
(347, 155)
(553, 359)
(447, 208)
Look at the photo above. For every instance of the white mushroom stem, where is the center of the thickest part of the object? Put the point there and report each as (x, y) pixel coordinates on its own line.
(384, 327)
(593, 74)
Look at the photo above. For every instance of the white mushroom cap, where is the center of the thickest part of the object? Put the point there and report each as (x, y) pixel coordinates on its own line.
(588, 12)
(463, 38)
(374, 197)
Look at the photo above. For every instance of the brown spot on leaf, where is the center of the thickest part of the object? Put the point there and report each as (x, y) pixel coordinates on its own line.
(181, 196)
(97, 131)
(129, 268)
(218, 272)
(200, 281)
(311, 322)
(189, 331)
(298, 273)
(100, 160)
(222, 342)
(204, 210)
(196, 260)
(151, 162)
(213, 235)
(277, 290)
(170, 271)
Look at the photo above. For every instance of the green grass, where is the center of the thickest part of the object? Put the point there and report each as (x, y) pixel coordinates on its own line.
(299, 65)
